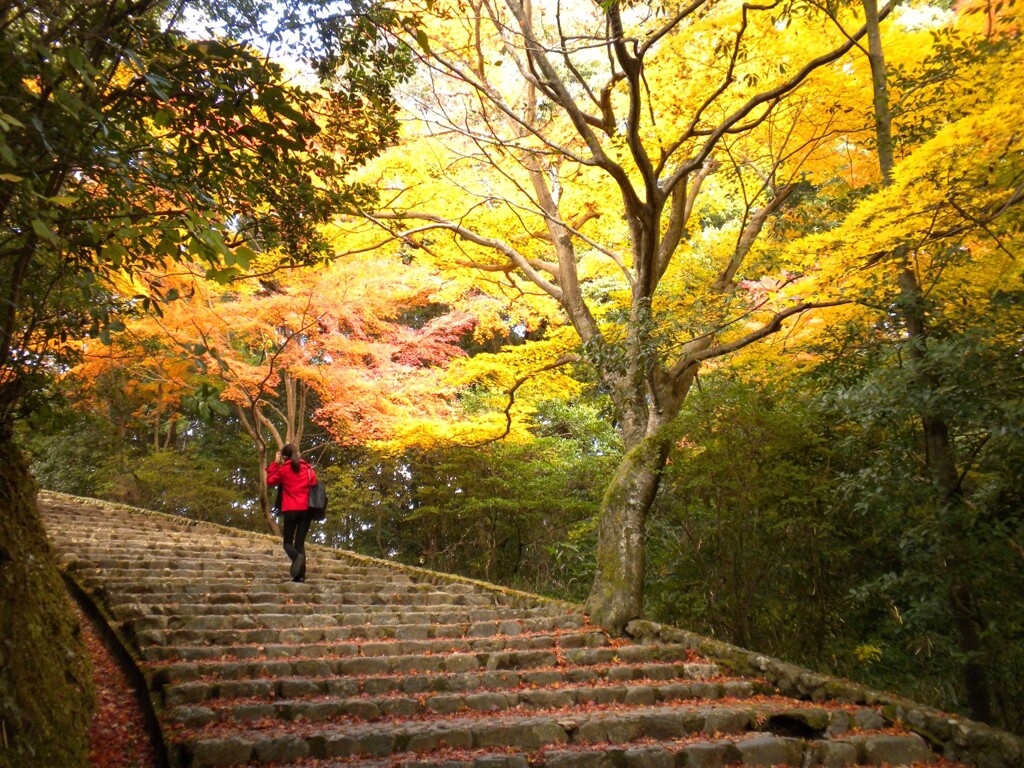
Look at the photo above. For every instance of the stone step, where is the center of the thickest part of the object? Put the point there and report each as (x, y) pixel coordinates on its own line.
(179, 582)
(270, 569)
(171, 590)
(700, 679)
(186, 545)
(373, 622)
(352, 625)
(708, 752)
(215, 610)
(319, 661)
(195, 538)
(149, 566)
(184, 548)
(324, 628)
(752, 743)
(363, 707)
(320, 642)
(190, 558)
(274, 574)
(177, 543)
(209, 568)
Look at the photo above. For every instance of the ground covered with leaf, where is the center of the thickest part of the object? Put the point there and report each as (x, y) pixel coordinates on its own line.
(118, 734)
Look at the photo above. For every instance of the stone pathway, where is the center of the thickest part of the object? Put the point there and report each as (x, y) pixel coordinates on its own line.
(371, 664)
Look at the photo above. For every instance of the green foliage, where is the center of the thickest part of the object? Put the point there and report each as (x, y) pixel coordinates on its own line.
(799, 518)
(504, 512)
(964, 546)
(344, 45)
(197, 486)
(745, 542)
(209, 473)
(583, 423)
(490, 512)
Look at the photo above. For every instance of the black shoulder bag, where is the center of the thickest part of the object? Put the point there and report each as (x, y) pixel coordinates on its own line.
(317, 503)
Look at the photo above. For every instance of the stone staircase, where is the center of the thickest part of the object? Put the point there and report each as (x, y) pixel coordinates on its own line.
(373, 664)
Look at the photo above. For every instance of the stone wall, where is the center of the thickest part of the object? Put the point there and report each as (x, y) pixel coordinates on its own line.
(956, 738)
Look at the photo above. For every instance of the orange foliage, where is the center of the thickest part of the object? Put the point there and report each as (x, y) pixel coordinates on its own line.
(364, 336)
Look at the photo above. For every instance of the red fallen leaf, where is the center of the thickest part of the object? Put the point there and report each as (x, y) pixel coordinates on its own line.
(117, 733)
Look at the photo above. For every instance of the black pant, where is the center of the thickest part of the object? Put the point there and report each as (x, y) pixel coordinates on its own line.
(296, 526)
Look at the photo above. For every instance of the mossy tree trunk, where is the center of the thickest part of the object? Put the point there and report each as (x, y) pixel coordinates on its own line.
(46, 694)
(647, 405)
(616, 595)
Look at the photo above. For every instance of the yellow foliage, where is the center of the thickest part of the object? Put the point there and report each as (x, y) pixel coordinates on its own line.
(958, 182)
(481, 168)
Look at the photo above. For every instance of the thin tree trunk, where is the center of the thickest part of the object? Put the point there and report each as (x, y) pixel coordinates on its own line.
(939, 451)
(252, 428)
(880, 90)
(941, 461)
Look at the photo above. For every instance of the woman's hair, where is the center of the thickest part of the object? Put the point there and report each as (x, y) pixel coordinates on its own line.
(291, 452)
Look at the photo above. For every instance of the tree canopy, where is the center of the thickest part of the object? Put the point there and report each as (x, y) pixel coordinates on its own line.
(688, 180)
(128, 146)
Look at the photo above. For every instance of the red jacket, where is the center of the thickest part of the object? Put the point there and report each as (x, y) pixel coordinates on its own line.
(294, 485)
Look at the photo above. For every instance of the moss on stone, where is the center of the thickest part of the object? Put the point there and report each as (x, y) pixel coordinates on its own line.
(46, 693)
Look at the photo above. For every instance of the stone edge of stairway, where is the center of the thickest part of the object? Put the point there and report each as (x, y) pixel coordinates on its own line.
(953, 737)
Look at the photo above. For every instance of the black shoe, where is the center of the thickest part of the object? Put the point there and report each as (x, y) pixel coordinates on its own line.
(297, 565)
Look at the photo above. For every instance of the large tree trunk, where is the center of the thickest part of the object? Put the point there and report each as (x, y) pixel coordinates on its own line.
(617, 594)
(46, 692)
(645, 411)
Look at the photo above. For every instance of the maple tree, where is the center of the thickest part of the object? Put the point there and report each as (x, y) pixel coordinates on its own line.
(333, 344)
(160, 150)
(562, 120)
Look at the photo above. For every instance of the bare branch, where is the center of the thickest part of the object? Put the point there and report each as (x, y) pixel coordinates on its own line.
(511, 392)
(439, 222)
(770, 98)
(561, 96)
(748, 236)
(772, 326)
(683, 199)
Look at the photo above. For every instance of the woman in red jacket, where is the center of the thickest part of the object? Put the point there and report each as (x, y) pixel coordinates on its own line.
(295, 476)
